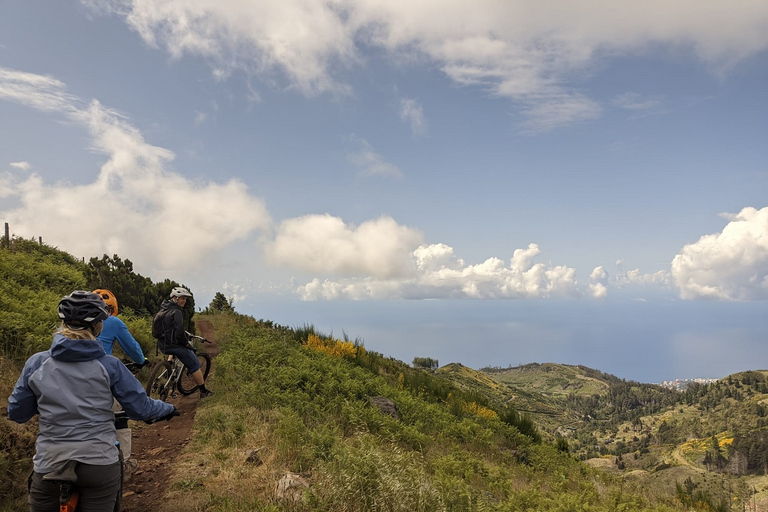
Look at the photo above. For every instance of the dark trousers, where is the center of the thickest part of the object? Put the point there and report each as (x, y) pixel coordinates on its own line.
(99, 488)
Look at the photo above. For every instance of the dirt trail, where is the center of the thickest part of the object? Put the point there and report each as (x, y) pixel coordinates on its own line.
(156, 446)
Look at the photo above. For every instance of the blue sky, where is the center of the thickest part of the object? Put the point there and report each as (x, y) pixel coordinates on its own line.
(482, 182)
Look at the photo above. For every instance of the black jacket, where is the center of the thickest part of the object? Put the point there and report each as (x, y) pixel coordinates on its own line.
(168, 326)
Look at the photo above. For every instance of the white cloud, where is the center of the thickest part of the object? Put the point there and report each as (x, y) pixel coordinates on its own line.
(599, 275)
(436, 257)
(236, 292)
(382, 260)
(488, 280)
(370, 163)
(325, 244)
(635, 276)
(412, 112)
(599, 280)
(302, 40)
(530, 52)
(731, 265)
(161, 219)
(598, 290)
(22, 166)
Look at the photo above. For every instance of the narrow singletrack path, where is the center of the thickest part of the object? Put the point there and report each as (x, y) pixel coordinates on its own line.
(156, 446)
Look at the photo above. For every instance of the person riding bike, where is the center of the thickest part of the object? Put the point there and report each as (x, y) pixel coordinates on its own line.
(113, 330)
(72, 386)
(168, 328)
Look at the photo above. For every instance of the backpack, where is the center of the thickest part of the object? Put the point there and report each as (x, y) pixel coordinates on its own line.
(157, 325)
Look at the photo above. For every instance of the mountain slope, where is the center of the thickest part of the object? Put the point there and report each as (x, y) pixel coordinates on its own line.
(309, 407)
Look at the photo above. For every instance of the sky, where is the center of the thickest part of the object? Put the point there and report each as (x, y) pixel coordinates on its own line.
(489, 183)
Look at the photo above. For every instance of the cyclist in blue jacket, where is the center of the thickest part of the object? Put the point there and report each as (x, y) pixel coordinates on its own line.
(71, 387)
(115, 330)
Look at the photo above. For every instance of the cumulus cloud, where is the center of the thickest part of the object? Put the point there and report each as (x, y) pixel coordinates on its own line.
(636, 277)
(370, 163)
(731, 265)
(164, 221)
(381, 259)
(528, 52)
(412, 112)
(236, 292)
(22, 166)
(599, 280)
(325, 244)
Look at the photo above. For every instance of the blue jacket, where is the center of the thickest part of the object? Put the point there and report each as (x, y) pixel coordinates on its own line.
(71, 386)
(115, 330)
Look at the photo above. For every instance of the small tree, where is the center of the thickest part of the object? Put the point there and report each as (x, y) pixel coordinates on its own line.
(425, 362)
(220, 304)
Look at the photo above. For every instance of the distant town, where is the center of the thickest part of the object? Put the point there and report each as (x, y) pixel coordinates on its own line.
(682, 384)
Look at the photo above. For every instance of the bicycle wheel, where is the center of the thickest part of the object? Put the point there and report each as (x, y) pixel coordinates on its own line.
(187, 385)
(159, 385)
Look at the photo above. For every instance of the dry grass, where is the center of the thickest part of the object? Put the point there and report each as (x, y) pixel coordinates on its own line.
(214, 468)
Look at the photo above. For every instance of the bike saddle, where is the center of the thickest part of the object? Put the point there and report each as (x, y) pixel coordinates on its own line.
(65, 473)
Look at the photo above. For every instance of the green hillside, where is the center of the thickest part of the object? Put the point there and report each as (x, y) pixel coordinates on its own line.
(312, 404)
(546, 412)
(33, 278)
(363, 431)
(552, 379)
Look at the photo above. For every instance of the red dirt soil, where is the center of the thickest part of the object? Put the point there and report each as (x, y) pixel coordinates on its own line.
(156, 447)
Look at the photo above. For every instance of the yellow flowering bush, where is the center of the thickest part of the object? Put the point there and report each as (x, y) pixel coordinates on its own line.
(479, 410)
(333, 347)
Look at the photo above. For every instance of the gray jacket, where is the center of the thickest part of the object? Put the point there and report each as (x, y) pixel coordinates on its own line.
(71, 386)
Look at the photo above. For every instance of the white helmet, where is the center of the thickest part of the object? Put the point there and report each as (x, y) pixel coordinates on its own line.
(180, 292)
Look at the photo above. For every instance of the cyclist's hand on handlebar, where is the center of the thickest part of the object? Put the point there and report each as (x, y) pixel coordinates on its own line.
(170, 415)
(144, 363)
(167, 417)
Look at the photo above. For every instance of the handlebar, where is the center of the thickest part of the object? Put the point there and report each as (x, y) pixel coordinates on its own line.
(133, 367)
(195, 337)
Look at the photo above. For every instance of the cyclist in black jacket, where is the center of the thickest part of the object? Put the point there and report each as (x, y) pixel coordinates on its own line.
(168, 328)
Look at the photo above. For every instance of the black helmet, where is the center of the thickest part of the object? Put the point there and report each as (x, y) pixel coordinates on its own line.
(82, 309)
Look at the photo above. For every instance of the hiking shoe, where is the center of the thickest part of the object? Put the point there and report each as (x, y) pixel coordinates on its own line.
(206, 393)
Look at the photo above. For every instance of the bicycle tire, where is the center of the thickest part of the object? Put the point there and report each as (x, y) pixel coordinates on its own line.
(186, 384)
(158, 386)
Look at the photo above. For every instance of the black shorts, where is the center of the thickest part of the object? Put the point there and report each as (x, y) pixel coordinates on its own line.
(187, 356)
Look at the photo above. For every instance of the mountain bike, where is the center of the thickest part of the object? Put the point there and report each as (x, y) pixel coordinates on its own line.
(171, 375)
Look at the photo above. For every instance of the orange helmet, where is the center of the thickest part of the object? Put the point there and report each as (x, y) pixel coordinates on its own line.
(108, 297)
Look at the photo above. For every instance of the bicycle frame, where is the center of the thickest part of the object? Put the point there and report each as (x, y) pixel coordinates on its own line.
(167, 384)
(168, 376)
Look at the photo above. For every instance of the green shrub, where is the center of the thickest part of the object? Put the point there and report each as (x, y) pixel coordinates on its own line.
(33, 278)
